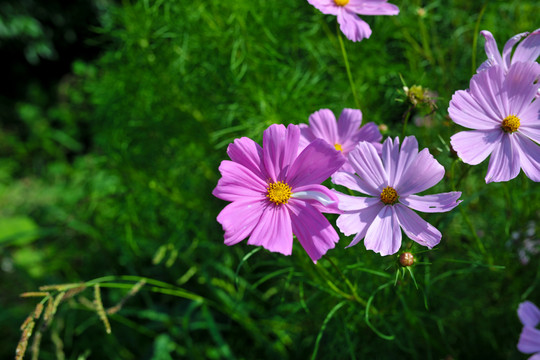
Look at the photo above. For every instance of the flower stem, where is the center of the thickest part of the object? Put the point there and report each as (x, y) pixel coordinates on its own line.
(349, 284)
(406, 117)
(347, 66)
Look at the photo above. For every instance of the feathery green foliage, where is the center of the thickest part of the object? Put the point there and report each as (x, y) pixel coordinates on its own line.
(111, 180)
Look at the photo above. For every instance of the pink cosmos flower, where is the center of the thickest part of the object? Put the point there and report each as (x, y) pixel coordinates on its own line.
(527, 50)
(352, 26)
(344, 134)
(391, 181)
(505, 121)
(529, 340)
(275, 192)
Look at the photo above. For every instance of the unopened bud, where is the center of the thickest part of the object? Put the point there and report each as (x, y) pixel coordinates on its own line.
(406, 259)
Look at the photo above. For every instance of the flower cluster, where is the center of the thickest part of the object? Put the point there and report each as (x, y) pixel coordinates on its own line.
(275, 190)
(501, 110)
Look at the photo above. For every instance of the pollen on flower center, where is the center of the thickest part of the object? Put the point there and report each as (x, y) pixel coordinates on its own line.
(279, 192)
(510, 123)
(341, 2)
(338, 147)
(389, 196)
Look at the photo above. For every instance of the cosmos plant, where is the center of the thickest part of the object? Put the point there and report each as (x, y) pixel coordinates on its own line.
(390, 182)
(275, 191)
(504, 119)
(354, 28)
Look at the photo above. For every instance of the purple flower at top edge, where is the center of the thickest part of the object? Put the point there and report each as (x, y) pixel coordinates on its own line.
(391, 181)
(275, 191)
(354, 28)
(527, 50)
(505, 121)
(529, 339)
(344, 134)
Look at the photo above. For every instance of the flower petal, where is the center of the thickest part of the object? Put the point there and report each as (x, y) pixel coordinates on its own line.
(274, 231)
(530, 121)
(367, 164)
(239, 218)
(486, 89)
(348, 124)
(248, 153)
(507, 51)
(529, 157)
(528, 314)
(422, 174)
(504, 162)
(280, 148)
(306, 137)
(322, 198)
(416, 228)
(353, 182)
(354, 28)
(372, 7)
(312, 229)
(325, 6)
(357, 222)
(384, 235)
(238, 183)
(354, 203)
(473, 147)
(529, 340)
(390, 157)
(520, 87)
(464, 110)
(492, 50)
(432, 203)
(324, 126)
(369, 132)
(528, 49)
(315, 164)
(407, 155)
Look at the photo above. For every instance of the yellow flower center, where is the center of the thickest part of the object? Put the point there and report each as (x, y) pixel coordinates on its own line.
(279, 192)
(341, 2)
(338, 147)
(510, 123)
(389, 196)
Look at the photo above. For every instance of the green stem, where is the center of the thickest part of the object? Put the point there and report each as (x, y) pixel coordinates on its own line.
(406, 117)
(349, 284)
(347, 66)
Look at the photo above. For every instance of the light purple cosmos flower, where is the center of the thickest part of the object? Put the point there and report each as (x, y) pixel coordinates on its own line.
(528, 50)
(505, 121)
(352, 26)
(275, 192)
(391, 181)
(529, 340)
(344, 134)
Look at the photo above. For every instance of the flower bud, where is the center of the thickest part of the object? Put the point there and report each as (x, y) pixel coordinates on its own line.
(406, 259)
